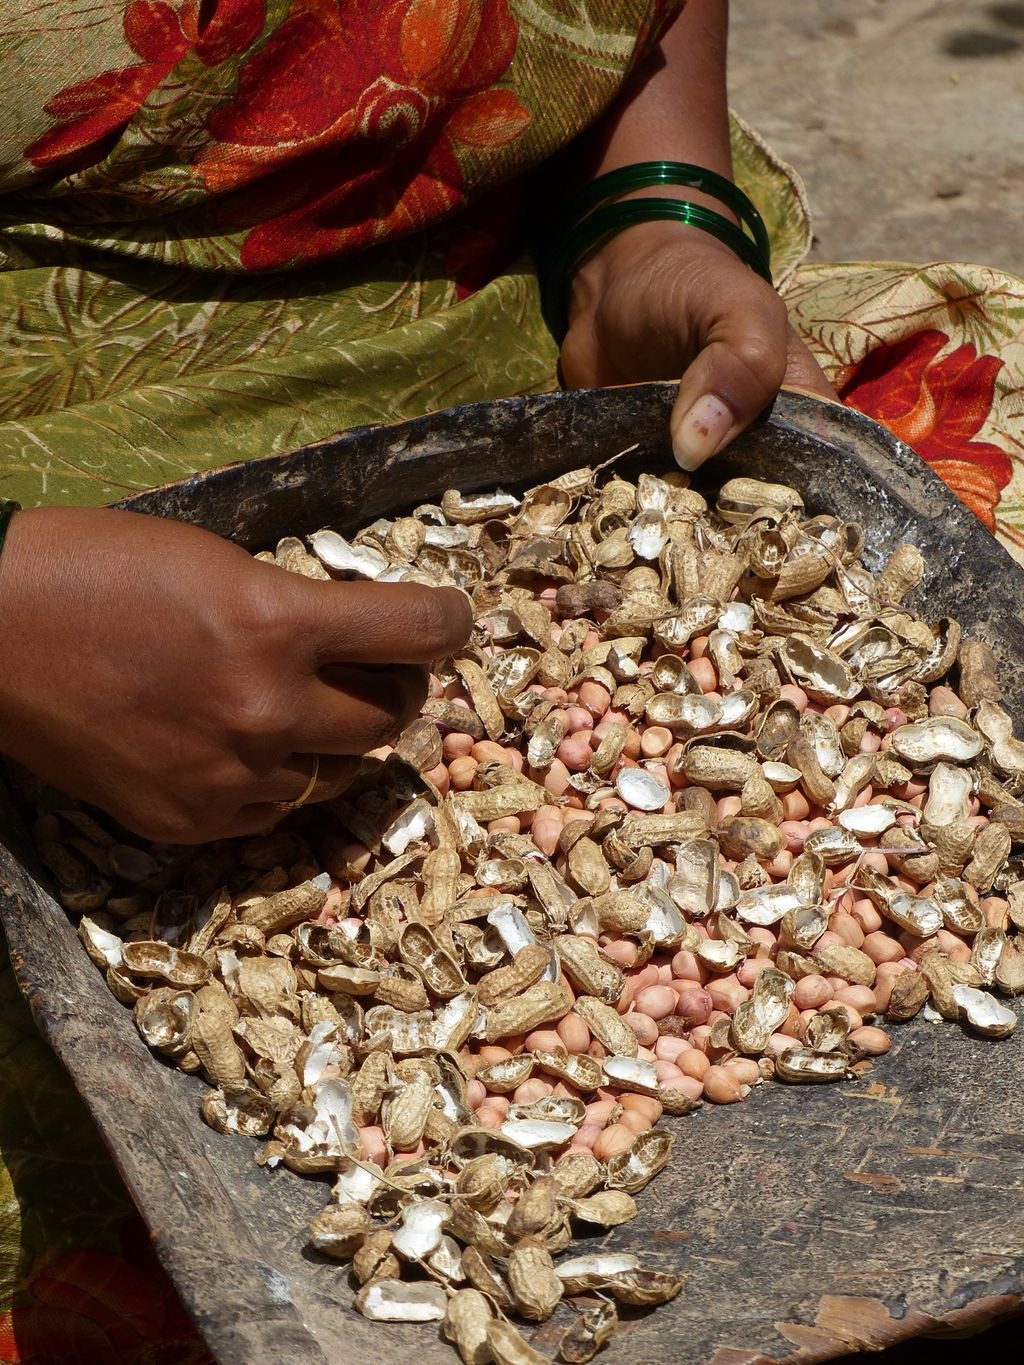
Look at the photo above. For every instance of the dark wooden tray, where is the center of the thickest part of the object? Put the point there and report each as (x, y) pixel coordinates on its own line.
(810, 1222)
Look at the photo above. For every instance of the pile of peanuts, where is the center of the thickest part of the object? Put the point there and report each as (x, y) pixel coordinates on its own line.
(701, 805)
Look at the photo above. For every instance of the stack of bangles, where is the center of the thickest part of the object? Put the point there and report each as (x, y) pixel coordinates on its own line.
(595, 214)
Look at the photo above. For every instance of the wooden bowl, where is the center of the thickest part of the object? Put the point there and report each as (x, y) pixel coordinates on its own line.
(809, 1222)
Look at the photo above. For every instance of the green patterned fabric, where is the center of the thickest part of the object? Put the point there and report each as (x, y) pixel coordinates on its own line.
(296, 217)
(132, 378)
(133, 375)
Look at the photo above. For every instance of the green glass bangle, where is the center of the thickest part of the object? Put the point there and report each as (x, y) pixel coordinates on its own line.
(588, 236)
(643, 174)
(7, 510)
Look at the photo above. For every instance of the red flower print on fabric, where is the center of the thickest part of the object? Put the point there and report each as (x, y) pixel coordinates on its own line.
(937, 406)
(344, 129)
(92, 114)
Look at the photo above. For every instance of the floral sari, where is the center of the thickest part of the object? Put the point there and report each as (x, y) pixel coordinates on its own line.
(229, 227)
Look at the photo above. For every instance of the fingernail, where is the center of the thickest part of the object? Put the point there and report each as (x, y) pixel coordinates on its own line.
(701, 431)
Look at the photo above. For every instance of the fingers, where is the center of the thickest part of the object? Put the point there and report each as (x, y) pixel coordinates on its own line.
(361, 650)
(736, 374)
(248, 807)
(383, 623)
(250, 821)
(353, 710)
(804, 372)
(291, 780)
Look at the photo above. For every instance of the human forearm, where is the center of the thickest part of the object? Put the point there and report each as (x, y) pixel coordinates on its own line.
(663, 299)
(675, 108)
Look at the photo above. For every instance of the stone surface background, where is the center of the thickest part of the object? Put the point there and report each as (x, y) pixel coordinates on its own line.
(905, 118)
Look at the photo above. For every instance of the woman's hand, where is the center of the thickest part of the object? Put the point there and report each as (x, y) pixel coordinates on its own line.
(163, 674)
(662, 300)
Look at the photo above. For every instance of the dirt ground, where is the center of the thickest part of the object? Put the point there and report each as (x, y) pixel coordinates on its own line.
(905, 118)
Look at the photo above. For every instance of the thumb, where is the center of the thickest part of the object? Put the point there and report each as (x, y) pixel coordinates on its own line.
(732, 379)
(382, 623)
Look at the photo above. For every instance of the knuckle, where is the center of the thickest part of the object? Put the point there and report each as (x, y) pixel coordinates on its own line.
(244, 688)
(185, 832)
(255, 608)
(193, 806)
(761, 356)
(174, 822)
(254, 714)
